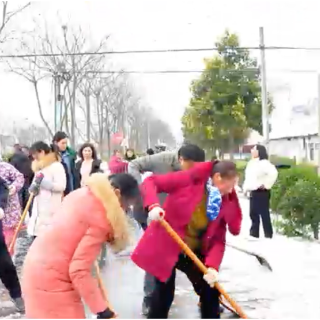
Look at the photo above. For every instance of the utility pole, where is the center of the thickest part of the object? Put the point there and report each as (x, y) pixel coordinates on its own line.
(319, 123)
(88, 109)
(57, 102)
(264, 95)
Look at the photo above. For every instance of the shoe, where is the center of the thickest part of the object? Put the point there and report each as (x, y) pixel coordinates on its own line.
(19, 304)
(145, 309)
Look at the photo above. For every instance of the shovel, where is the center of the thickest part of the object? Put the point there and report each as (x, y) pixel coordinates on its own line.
(263, 261)
(202, 267)
(18, 228)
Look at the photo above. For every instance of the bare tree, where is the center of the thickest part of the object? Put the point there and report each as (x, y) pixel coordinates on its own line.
(67, 71)
(6, 16)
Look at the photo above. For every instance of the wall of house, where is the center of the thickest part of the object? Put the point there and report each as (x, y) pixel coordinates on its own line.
(301, 148)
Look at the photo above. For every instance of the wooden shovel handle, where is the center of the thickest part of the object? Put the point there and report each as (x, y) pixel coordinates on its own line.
(103, 288)
(17, 230)
(202, 267)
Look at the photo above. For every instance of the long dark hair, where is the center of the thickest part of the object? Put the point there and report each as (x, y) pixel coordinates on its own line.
(262, 152)
(93, 149)
(132, 157)
(59, 135)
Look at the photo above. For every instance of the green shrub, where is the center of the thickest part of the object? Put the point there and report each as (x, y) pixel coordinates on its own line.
(282, 160)
(286, 179)
(299, 208)
(241, 166)
(6, 156)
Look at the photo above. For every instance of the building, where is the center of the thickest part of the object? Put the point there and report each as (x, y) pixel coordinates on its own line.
(297, 138)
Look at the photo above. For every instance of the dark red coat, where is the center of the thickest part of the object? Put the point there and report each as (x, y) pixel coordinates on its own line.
(156, 252)
(117, 165)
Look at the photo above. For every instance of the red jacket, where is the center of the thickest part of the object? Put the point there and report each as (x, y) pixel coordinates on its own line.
(156, 252)
(117, 165)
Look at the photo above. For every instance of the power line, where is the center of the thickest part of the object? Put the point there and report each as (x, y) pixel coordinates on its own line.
(39, 55)
(192, 71)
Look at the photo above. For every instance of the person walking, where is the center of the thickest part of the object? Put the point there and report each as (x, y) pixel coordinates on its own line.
(49, 196)
(88, 164)
(260, 176)
(14, 181)
(8, 272)
(68, 159)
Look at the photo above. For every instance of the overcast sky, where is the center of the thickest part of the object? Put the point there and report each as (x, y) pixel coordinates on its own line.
(168, 24)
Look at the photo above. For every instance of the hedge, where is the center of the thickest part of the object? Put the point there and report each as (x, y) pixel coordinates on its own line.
(296, 199)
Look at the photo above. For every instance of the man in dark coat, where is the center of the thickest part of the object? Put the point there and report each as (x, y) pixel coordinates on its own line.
(22, 162)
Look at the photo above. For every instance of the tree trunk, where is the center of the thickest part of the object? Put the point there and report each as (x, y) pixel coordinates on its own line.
(231, 146)
(35, 85)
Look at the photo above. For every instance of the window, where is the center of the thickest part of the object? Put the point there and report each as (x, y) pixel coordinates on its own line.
(311, 153)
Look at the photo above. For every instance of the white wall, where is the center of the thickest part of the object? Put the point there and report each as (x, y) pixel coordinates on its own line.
(295, 148)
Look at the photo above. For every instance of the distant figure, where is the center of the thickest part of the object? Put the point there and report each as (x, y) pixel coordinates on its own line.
(68, 159)
(150, 152)
(116, 164)
(88, 164)
(130, 155)
(260, 176)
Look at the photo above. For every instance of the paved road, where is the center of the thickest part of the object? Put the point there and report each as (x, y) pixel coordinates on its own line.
(290, 291)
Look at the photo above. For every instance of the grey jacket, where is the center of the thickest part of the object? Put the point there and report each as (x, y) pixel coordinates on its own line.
(159, 163)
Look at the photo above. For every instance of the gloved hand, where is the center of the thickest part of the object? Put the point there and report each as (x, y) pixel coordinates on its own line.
(106, 314)
(35, 185)
(156, 213)
(211, 277)
(1, 214)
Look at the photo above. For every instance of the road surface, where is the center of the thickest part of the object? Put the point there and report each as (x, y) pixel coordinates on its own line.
(289, 292)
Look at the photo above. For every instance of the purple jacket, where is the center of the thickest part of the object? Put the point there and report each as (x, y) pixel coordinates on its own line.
(12, 177)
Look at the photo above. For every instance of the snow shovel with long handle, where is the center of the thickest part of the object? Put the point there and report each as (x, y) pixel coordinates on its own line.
(103, 288)
(18, 228)
(202, 267)
(36, 186)
(262, 260)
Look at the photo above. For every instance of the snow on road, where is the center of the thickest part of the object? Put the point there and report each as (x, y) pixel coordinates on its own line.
(289, 292)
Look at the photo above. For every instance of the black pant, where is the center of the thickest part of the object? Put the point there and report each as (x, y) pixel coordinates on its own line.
(163, 293)
(259, 206)
(8, 273)
(24, 197)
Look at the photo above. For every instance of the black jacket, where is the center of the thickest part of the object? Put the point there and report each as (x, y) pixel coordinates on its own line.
(94, 169)
(23, 164)
(4, 194)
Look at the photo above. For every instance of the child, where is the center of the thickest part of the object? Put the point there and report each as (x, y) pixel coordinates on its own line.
(57, 270)
(200, 215)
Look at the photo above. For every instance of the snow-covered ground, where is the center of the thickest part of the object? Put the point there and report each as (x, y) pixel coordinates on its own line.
(290, 291)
